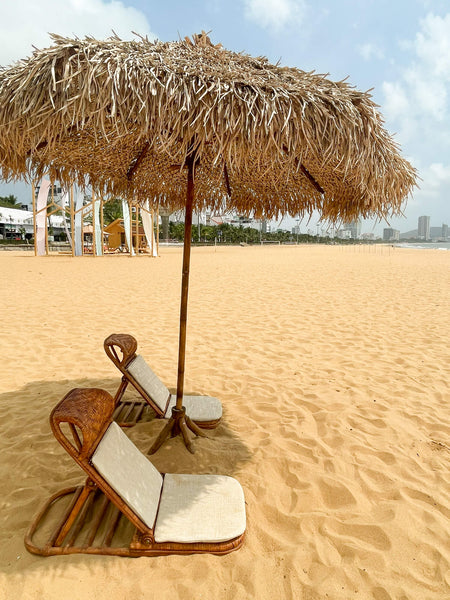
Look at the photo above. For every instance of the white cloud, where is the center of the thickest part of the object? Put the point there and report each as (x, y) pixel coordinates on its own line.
(369, 51)
(396, 101)
(433, 45)
(275, 14)
(428, 93)
(438, 175)
(26, 23)
(418, 103)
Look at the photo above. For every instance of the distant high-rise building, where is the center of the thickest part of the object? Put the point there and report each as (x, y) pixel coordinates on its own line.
(424, 228)
(391, 235)
(444, 230)
(354, 227)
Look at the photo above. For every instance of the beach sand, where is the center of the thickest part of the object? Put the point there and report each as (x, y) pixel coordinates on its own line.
(332, 367)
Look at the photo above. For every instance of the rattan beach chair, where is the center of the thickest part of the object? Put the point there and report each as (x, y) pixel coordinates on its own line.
(126, 507)
(204, 411)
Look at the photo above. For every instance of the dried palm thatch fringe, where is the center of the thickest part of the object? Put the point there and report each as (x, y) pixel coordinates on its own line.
(124, 115)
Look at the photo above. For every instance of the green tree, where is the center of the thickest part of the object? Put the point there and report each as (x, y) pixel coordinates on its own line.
(176, 231)
(10, 202)
(112, 210)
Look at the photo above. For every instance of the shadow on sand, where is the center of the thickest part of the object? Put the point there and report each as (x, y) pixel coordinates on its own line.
(34, 465)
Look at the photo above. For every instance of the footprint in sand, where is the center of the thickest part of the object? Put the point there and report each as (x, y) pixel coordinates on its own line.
(380, 593)
(369, 535)
(336, 495)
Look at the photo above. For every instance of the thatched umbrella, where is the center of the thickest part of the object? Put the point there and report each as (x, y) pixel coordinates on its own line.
(131, 118)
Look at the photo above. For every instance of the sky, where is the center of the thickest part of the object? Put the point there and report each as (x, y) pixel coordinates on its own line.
(400, 48)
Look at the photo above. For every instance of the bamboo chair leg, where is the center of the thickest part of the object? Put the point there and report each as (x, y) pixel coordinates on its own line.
(121, 391)
(88, 488)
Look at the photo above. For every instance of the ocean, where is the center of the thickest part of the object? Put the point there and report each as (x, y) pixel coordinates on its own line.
(425, 245)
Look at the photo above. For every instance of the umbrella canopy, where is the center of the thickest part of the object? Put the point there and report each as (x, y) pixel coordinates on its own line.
(129, 118)
(124, 116)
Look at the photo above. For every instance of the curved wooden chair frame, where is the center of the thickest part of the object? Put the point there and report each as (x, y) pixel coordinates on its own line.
(121, 350)
(94, 513)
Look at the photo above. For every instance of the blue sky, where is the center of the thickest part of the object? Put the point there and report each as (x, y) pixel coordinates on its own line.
(401, 48)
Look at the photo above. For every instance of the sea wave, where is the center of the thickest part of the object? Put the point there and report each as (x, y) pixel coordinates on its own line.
(425, 245)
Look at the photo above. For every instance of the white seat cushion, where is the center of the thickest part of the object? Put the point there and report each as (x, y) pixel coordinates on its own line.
(129, 473)
(200, 508)
(199, 408)
(149, 381)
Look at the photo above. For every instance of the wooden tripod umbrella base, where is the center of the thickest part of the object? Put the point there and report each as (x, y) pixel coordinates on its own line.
(180, 422)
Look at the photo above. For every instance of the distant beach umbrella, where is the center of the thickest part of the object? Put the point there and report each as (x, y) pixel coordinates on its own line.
(191, 125)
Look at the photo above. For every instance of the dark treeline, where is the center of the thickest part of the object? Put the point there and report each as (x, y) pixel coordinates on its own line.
(229, 234)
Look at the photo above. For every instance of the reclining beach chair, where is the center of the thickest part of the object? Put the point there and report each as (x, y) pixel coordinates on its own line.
(126, 507)
(121, 348)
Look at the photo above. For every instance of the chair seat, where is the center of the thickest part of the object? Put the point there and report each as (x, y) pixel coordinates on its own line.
(198, 408)
(200, 508)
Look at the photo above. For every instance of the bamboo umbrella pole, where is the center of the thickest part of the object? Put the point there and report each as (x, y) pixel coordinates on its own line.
(180, 422)
(72, 219)
(130, 231)
(152, 237)
(133, 227)
(94, 222)
(33, 196)
(102, 225)
(136, 243)
(82, 227)
(47, 221)
(185, 281)
(157, 231)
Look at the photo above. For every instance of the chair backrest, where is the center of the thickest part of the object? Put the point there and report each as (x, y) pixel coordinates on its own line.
(121, 349)
(82, 423)
(123, 342)
(129, 473)
(149, 382)
(88, 413)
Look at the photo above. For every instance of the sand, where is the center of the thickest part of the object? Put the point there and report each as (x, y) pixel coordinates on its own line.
(332, 367)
